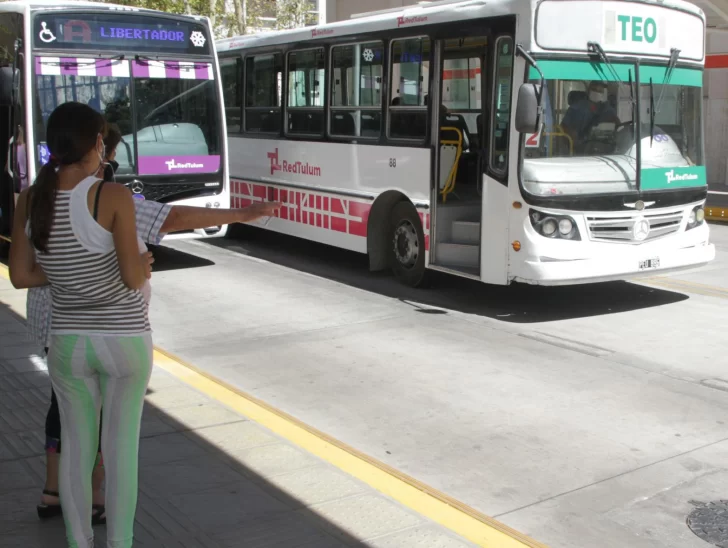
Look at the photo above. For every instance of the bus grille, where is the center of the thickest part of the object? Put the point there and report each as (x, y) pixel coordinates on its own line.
(621, 229)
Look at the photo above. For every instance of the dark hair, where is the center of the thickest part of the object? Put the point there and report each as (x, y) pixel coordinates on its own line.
(72, 131)
(112, 139)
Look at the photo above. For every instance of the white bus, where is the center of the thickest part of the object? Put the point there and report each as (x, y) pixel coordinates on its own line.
(152, 74)
(540, 141)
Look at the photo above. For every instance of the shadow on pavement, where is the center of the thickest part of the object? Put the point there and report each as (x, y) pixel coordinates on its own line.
(517, 303)
(193, 492)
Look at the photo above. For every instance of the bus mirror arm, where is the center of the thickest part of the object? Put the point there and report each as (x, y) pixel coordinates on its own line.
(528, 108)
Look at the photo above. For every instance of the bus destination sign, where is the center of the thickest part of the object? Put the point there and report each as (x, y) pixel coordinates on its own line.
(121, 32)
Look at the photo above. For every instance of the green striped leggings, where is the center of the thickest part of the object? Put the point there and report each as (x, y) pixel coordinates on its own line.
(86, 372)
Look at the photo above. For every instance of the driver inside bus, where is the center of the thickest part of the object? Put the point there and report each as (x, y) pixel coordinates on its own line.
(587, 113)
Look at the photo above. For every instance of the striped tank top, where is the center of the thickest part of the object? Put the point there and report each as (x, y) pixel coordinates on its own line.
(88, 294)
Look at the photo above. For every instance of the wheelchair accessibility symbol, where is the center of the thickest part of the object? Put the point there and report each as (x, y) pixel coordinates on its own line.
(46, 35)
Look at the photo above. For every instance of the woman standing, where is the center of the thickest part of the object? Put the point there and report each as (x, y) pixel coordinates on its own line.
(84, 243)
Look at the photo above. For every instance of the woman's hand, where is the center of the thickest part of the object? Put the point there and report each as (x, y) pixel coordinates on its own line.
(147, 260)
(256, 211)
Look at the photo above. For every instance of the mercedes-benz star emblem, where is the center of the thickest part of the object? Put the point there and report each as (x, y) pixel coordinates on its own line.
(641, 229)
(137, 187)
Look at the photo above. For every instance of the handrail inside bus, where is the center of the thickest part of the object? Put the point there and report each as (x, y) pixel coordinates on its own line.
(450, 183)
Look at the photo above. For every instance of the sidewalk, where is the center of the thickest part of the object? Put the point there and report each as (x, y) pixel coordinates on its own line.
(208, 476)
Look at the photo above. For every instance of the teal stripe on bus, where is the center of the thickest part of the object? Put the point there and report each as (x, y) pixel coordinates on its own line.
(588, 70)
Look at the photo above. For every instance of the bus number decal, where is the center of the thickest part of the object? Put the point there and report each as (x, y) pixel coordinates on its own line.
(533, 139)
(393, 162)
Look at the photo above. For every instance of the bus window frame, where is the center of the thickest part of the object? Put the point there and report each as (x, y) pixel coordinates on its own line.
(284, 82)
(330, 67)
(425, 141)
(239, 63)
(284, 96)
(499, 175)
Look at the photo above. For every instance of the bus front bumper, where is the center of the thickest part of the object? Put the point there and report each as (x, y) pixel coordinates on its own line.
(632, 262)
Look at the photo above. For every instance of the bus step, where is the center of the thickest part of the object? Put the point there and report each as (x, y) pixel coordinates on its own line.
(466, 232)
(452, 254)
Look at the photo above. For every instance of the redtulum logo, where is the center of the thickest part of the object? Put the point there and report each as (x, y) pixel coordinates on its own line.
(321, 32)
(300, 168)
(172, 164)
(401, 20)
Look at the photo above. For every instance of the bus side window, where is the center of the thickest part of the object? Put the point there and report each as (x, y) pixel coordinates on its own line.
(409, 83)
(231, 72)
(306, 92)
(500, 123)
(263, 97)
(356, 90)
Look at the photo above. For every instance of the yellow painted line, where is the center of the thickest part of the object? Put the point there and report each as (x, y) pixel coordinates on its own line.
(419, 497)
(687, 286)
(423, 499)
(4, 272)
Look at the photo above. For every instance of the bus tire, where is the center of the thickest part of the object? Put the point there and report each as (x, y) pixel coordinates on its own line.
(406, 244)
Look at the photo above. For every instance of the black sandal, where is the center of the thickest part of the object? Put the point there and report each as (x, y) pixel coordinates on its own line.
(47, 511)
(98, 516)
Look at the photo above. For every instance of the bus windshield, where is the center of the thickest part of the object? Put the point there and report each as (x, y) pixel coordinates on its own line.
(587, 144)
(171, 126)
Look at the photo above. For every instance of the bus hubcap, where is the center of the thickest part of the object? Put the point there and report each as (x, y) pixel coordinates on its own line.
(406, 246)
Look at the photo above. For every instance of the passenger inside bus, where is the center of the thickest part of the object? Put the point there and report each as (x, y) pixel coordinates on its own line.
(586, 112)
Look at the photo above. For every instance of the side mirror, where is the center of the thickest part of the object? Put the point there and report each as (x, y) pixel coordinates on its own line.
(7, 85)
(528, 108)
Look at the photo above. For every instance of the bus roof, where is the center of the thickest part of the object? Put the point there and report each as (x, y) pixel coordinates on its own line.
(20, 6)
(435, 12)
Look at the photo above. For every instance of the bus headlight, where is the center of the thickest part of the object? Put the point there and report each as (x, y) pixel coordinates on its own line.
(554, 226)
(696, 217)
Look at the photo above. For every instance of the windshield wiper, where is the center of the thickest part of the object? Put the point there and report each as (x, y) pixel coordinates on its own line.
(674, 56)
(596, 49)
(652, 112)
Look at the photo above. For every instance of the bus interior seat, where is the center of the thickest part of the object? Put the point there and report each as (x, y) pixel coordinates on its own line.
(371, 124)
(342, 123)
(458, 121)
(576, 96)
(306, 121)
(408, 124)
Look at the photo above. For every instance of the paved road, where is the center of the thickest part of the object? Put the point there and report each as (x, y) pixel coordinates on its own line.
(586, 417)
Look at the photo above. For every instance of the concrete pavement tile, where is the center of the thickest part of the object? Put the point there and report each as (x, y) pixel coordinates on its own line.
(50, 535)
(19, 351)
(16, 475)
(175, 396)
(364, 517)
(318, 484)
(168, 448)
(420, 537)
(12, 382)
(233, 438)
(153, 425)
(279, 458)
(199, 416)
(284, 531)
(26, 364)
(228, 506)
(161, 379)
(13, 326)
(188, 476)
(27, 443)
(17, 509)
(34, 398)
(30, 418)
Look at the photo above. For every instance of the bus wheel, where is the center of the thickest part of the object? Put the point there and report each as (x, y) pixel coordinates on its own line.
(407, 244)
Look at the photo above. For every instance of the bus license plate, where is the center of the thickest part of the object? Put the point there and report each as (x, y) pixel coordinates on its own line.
(650, 264)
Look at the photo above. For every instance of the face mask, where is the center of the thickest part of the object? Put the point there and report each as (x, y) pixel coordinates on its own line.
(102, 155)
(597, 96)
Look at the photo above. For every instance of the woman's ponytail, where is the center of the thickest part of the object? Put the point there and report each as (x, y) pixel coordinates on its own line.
(42, 199)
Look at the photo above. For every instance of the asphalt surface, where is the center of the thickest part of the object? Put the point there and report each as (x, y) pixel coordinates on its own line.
(587, 416)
